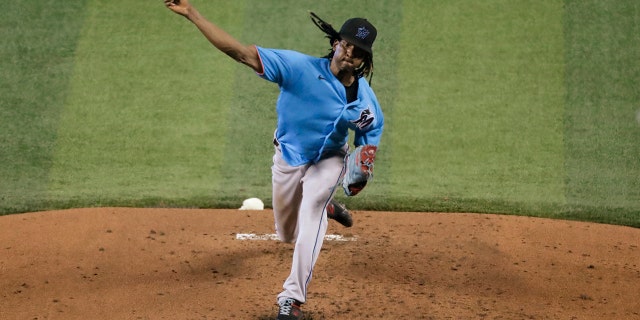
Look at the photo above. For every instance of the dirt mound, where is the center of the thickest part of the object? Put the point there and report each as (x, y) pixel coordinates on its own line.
(122, 263)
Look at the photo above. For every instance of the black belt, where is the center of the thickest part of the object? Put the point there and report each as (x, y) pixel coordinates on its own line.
(275, 142)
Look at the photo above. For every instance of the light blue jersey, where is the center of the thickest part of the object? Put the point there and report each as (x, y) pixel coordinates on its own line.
(313, 113)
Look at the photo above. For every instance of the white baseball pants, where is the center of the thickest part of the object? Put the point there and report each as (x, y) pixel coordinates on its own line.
(300, 195)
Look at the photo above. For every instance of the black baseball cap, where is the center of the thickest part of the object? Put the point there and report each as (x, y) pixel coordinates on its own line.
(360, 32)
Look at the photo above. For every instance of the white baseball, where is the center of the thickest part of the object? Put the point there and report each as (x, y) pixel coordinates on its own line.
(252, 204)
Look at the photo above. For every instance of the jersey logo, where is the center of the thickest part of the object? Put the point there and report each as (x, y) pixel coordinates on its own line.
(366, 118)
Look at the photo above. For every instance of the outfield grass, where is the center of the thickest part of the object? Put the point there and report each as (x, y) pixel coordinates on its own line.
(39, 40)
(601, 132)
(146, 116)
(495, 106)
(486, 112)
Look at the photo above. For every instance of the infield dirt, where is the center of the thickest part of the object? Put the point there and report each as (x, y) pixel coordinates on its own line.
(123, 263)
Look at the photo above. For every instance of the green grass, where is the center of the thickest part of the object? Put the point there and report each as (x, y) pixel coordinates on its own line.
(496, 106)
(39, 39)
(138, 123)
(486, 116)
(603, 85)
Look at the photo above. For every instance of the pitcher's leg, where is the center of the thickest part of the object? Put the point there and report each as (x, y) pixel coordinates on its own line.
(319, 184)
(287, 194)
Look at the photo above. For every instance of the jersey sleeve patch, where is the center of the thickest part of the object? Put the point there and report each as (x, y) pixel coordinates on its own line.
(365, 119)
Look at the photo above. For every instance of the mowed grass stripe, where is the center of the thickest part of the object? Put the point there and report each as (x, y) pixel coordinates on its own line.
(149, 101)
(38, 43)
(603, 81)
(482, 95)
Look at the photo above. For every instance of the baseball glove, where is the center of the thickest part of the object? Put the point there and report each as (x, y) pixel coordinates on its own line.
(359, 165)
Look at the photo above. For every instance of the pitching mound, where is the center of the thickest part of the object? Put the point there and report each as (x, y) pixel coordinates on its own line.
(120, 263)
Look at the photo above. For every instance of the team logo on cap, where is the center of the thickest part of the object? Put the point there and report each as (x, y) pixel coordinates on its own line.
(362, 33)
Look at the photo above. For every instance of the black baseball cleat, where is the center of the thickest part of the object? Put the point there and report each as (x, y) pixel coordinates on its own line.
(338, 212)
(289, 310)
